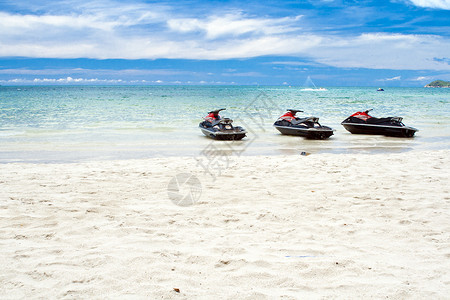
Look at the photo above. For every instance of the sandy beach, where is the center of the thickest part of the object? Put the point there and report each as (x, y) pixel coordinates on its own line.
(263, 227)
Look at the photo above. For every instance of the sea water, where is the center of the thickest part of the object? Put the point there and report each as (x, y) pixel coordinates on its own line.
(84, 123)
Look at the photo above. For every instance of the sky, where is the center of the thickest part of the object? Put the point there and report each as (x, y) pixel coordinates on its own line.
(188, 42)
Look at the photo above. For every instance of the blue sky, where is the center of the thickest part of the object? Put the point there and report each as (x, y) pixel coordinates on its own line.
(335, 43)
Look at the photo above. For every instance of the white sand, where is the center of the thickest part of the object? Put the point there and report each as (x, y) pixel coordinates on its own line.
(331, 225)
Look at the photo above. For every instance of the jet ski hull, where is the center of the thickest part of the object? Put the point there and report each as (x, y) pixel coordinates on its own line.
(234, 134)
(387, 130)
(320, 133)
(224, 136)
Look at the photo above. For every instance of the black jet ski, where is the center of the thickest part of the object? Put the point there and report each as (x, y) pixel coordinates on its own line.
(308, 127)
(363, 123)
(216, 127)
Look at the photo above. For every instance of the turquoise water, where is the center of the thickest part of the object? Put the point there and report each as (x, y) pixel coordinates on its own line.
(79, 123)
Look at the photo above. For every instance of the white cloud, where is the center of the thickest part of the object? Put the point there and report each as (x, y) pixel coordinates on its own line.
(108, 34)
(66, 80)
(384, 37)
(427, 78)
(293, 63)
(384, 51)
(234, 25)
(95, 72)
(244, 74)
(147, 32)
(391, 78)
(440, 4)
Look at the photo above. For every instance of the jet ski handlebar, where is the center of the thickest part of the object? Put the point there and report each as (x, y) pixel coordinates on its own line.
(295, 110)
(225, 121)
(217, 111)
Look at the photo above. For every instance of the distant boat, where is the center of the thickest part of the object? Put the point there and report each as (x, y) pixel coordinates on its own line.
(314, 90)
(380, 90)
(313, 87)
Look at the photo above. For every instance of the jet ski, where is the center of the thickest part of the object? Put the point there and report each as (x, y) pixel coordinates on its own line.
(216, 127)
(363, 123)
(308, 127)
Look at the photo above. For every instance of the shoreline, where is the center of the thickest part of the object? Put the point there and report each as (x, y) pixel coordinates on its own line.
(265, 226)
(370, 151)
(193, 144)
